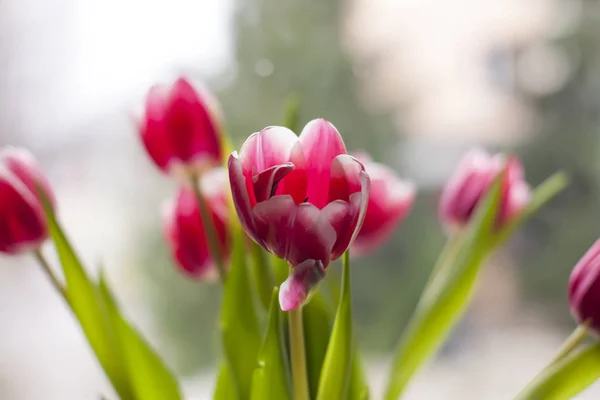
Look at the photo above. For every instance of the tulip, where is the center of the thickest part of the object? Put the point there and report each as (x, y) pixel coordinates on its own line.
(23, 225)
(390, 200)
(301, 198)
(180, 129)
(470, 183)
(184, 228)
(584, 288)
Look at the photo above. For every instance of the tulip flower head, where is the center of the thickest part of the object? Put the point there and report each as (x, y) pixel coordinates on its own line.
(180, 129)
(584, 288)
(301, 198)
(470, 183)
(184, 228)
(390, 200)
(23, 225)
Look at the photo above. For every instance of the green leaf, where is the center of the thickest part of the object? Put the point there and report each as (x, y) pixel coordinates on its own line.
(149, 376)
(271, 379)
(451, 285)
(337, 366)
(88, 307)
(317, 319)
(238, 323)
(225, 388)
(358, 388)
(445, 299)
(567, 378)
(262, 274)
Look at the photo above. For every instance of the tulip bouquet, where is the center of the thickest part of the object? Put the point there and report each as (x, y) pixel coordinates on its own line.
(267, 222)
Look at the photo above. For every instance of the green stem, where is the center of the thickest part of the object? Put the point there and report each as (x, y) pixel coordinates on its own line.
(298, 355)
(212, 238)
(578, 335)
(39, 256)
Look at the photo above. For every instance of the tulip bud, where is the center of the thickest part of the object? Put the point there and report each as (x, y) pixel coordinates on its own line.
(470, 183)
(180, 129)
(23, 225)
(584, 288)
(184, 228)
(390, 200)
(300, 285)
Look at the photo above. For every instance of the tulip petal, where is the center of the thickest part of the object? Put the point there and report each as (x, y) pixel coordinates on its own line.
(321, 144)
(350, 226)
(265, 183)
(390, 200)
(267, 148)
(345, 177)
(154, 134)
(299, 286)
(242, 192)
(294, 232)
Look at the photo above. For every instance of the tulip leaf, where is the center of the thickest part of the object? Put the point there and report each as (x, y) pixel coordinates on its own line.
(337, 366)
(238, 322)
(317, 319)
(225, 388)
(89, 308)
(262, 274)
(357, 389)
(451, 285)
(567, 378)
(149, 376)
(271, 379)
(445, 299)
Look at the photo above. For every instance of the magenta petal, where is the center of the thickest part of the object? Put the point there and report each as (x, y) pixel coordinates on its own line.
(349, 228)
(345, 177)
(321, 143)
(584, 288)
(269, 147)
(294, 232)
(154, 132)
(241, 197)
(390, 200)
(265, 183)
(298, 287)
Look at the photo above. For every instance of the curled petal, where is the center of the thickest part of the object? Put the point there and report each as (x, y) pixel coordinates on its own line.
(267, 148)
(321, 143)
(345, 177)
(265, 183)
(299, 286)
(242, 193)
(390, 200)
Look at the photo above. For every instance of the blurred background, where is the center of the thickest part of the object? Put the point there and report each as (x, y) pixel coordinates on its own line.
(414, 83)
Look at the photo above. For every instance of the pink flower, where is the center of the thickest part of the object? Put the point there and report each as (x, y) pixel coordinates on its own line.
(390, 200)
(584, 288)
(23, 224)
(180, 129)
(301, 198)
(471, 181)
(184, 229)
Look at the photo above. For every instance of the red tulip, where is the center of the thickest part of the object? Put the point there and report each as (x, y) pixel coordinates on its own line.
(184, 229)
(471, 181)
(390, 200)
(180, 130)
(584, 288)
(23, 224)
(301, 198)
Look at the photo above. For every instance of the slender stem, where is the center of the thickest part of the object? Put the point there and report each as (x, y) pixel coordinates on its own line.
(298, 355)
(39, 256)
(575, 339)
(209, 227)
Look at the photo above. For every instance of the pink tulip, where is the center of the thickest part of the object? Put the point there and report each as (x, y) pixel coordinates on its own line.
(180, 129)
(184, 229)
(23, 224)
(301, 198)
(471, 182)
(390, 200)
(584, 288)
